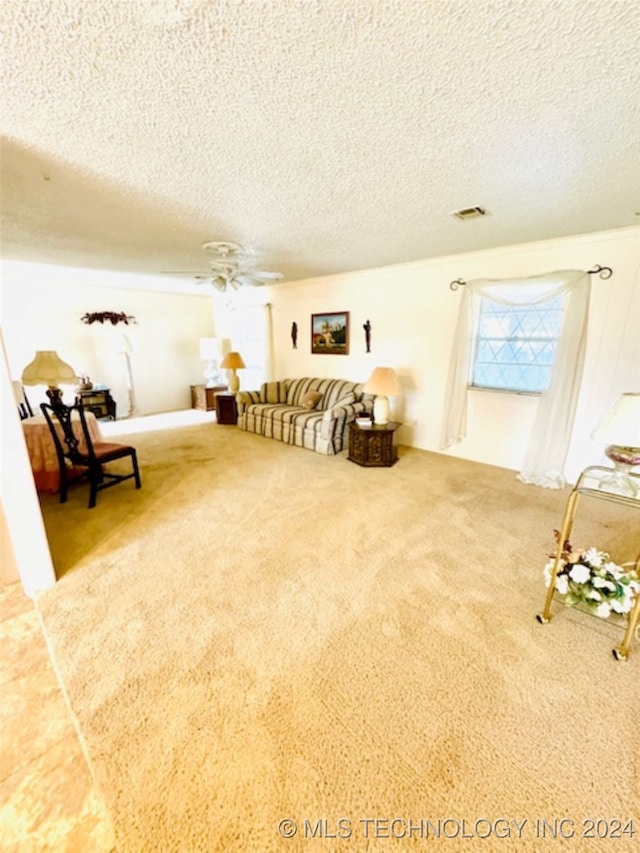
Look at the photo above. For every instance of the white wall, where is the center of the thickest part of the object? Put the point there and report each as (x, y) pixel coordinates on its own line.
(24, 547)
(41, 309)
(413, 314)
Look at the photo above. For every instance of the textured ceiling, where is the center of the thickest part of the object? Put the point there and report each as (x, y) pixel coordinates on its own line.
(327, 135)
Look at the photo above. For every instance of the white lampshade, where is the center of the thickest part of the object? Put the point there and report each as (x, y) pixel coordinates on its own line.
(384, 384)
(208, 349)
(622, 424)
(47, 368)
(383, 381)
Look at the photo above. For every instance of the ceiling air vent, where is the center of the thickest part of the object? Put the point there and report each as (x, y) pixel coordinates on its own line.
(469, 212)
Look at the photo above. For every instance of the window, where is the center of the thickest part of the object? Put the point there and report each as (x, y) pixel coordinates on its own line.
(515, 345)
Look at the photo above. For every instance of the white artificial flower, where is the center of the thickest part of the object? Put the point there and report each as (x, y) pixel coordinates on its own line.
(562, 584)
(623, 606)
(594, 595)
(547, 572)
(613, 570)
(593, 557)
(609, 585)
(580, 573)
(603, 610)
(598, 581)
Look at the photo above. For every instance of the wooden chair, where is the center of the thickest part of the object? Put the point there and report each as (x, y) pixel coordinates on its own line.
(85, 459)
(24, 409)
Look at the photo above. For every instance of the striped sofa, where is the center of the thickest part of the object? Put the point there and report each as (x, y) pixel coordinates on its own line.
(308, 412)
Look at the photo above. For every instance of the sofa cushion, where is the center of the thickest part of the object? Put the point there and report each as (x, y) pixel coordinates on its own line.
(311, 399)
(298, 389)
(274, 392)
(334, 389)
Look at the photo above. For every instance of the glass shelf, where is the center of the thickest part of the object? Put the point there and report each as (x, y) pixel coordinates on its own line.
(599, 481)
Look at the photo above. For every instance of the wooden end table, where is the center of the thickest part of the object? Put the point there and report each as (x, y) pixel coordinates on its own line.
(226, 409)
(205, 398)
(373, 447)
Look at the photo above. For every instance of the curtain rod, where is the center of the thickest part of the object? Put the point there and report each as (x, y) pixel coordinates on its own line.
(603, 272)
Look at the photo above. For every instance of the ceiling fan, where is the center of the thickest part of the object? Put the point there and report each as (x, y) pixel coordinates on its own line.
(230, 268)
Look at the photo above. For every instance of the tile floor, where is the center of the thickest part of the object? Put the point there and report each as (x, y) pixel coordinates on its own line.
(48, 803)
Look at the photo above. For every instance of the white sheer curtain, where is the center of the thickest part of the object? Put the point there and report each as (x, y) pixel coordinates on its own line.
(253, 338)
(544, 458)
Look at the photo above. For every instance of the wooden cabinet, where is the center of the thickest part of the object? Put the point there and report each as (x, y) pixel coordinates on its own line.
(373, 447)
(98, 401)
(226, 409)
(205, 398)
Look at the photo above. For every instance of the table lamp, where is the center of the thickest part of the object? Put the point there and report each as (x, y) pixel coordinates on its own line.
(47, 368)
(383, 384)
(620, 430)
(233, 361)
(209, 354)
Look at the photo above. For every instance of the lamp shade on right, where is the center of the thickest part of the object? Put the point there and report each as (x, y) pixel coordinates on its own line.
(622, 425)
(384, 384)
(620, 430)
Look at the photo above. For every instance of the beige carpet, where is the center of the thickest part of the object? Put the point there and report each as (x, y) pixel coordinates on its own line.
(263, 633)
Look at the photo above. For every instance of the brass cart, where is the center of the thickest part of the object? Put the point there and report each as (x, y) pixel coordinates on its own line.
(598, 482)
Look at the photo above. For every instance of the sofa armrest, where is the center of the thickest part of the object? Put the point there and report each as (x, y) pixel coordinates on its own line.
(246, 398)
(339, 416)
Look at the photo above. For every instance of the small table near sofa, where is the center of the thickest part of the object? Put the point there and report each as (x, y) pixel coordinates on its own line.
(226, 408)
(372, 446)
(204, 398)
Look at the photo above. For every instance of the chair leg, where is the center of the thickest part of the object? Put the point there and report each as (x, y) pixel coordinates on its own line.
(134, 459)
(93, 494)
(95, 477)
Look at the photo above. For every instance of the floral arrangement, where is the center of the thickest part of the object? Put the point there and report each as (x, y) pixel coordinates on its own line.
(112, 316)
(587, 576)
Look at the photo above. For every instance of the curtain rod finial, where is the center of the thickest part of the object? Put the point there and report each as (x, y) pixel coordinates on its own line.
(603, 272)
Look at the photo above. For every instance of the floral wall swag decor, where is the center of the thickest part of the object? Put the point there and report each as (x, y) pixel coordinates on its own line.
(113, 317)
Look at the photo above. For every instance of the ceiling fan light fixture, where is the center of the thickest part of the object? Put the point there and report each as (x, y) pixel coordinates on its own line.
(230, 267)
(224, 248)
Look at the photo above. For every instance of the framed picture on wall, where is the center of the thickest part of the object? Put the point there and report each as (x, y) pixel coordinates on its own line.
(330, 333)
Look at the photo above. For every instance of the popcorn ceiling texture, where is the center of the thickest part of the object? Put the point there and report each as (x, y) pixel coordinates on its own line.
(328, 135)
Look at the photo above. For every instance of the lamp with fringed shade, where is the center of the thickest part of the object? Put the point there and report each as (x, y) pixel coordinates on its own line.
(47, 368)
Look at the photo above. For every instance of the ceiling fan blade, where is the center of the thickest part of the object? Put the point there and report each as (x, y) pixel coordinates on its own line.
(246, 278)
(267, 276)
